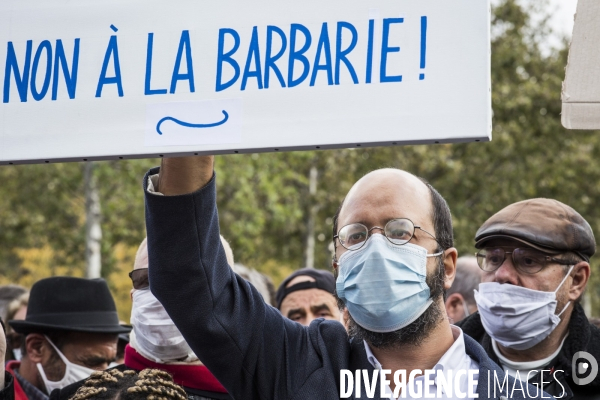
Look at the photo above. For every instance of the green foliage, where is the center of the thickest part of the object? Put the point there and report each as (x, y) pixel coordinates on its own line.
(264, 200)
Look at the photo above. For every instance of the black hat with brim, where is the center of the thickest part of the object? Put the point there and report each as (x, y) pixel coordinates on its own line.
(70, 304)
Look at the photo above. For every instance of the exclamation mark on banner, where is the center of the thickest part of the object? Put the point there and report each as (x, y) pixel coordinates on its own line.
(423, 45)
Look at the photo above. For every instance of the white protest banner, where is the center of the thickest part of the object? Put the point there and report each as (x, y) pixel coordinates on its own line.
(581, 88)
(107, 79)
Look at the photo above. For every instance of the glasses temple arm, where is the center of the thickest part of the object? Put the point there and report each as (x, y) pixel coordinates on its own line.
(434, 238)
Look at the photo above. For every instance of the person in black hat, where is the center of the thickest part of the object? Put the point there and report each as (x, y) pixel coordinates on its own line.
(307, 294)
(71, 330)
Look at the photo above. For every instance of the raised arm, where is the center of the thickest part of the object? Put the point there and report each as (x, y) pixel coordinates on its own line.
(184, 175)
(245, 343)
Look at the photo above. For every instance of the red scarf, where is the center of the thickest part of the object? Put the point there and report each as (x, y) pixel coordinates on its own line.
(11, 367)
(191, 376)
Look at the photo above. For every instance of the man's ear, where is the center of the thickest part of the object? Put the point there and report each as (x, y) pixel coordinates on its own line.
(450, 257)
(581, 275)
(334, 263)
(455, 304)
(35, 346)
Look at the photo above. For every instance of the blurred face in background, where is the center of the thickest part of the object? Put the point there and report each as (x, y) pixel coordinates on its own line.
(21, 313)
(14, 340)
(303, 306)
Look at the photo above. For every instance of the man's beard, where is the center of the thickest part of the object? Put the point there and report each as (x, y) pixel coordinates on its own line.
(417, 331)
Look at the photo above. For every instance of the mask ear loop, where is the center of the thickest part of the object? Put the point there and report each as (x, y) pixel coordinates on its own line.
(62, 357)
(60, 354)
(466, 308)
(561, 283)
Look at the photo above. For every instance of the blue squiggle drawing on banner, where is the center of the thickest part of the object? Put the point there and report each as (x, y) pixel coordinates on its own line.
(190, 125)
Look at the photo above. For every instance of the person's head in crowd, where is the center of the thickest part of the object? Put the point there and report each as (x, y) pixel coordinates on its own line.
(148, 384)
(535, 256)
(9, 293)
(70, 331)
(394, 257)
(147, 314)
(153, 334)
(534, 249)
(307, 294)
(260, 281)
(16, 310)
(460, 300)
(155, 341)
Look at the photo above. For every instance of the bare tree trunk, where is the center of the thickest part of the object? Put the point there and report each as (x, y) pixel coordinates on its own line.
(309, 254)
(93, 229)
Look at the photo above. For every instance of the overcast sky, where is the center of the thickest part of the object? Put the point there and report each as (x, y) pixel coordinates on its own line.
(562, 12)
(562, 17)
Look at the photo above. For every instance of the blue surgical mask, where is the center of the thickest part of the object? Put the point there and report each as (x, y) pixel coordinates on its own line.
(383, 284)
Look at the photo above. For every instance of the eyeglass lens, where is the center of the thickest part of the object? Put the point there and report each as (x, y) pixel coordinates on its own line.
(397, 231)
(528, 261)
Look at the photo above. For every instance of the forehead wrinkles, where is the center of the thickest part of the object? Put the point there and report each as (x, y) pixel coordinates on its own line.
(308, 297)
(388, 190)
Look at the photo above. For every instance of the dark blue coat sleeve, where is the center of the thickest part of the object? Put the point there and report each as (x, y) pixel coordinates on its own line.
(248, 345)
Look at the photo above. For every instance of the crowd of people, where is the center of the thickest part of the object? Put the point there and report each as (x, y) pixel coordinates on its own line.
(397, 297)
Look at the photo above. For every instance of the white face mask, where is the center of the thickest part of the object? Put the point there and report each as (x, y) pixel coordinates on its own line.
(73, 372)
(517, 317)
(155, 335)
(383, 285)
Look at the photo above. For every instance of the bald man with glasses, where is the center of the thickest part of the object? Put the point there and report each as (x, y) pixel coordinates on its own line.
(535, 257)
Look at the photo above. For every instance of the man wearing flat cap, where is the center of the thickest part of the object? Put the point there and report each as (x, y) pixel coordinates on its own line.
(71, 330)
(307, 294)
(535, 257)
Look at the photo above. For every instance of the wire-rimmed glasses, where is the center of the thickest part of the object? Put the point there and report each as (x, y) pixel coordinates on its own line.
(398, 231)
